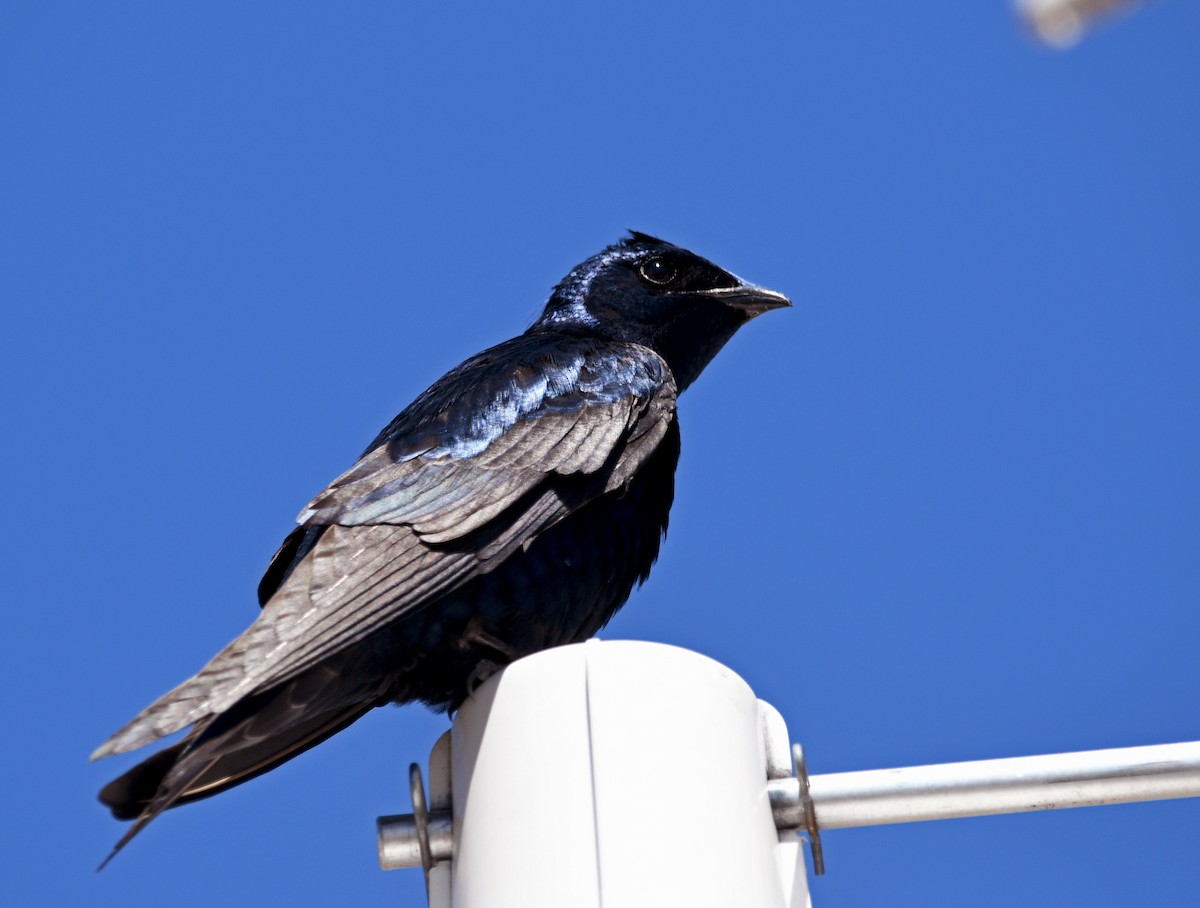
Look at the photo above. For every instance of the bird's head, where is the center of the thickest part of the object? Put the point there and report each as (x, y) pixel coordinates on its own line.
(644, 290)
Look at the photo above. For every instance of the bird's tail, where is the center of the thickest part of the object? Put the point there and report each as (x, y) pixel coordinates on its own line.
(256, 735)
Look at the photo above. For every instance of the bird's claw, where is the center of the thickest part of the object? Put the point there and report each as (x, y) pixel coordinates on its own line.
(483, 670)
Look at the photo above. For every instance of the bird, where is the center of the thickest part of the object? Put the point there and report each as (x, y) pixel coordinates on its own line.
(512, 507)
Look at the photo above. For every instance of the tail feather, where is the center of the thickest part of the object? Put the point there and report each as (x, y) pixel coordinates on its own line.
(167, 797)
(256, 735)
(128, 795)
(212, 689)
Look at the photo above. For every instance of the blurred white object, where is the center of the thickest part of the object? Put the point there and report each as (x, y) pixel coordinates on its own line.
(1061, 23)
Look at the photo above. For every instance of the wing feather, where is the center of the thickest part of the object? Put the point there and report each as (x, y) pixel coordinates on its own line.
(392, 518)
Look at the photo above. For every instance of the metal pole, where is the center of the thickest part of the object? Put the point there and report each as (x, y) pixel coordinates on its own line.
(941, 791)
(979, 788)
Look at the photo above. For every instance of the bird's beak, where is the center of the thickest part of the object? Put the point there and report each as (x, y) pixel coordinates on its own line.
(750, 298)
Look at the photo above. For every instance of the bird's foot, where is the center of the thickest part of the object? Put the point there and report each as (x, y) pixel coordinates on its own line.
(483, 670)
(476, 636)
(480, 637)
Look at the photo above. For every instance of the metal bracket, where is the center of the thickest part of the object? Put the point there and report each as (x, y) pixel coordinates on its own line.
(810, 812)
(421, 817)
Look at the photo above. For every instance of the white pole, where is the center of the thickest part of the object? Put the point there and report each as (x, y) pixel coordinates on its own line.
(615, 774)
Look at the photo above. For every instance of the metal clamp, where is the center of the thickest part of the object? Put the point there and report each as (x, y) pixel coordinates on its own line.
(810, 812)
(421, 816)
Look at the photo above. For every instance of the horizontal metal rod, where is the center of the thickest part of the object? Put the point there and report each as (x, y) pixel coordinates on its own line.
(400, 847)
(979, 788)
(914, 793)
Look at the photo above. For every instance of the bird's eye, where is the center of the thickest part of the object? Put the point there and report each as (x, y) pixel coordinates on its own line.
(658, 270)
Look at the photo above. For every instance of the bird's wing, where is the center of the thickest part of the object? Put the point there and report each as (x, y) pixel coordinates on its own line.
(432, 504)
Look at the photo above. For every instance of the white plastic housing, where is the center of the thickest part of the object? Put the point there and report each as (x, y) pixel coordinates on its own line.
(614, 774)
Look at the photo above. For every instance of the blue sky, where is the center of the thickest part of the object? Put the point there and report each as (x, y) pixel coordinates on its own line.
(946, 508)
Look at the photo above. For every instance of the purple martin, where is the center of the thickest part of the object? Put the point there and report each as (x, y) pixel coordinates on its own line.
(512, 507)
